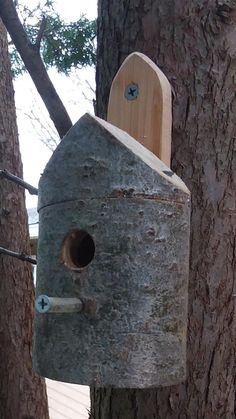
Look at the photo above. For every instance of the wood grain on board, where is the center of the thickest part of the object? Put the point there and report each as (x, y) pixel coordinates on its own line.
(140, 104)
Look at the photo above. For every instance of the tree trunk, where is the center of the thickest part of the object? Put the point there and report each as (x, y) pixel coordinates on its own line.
(194, 44)
(30, 54)
(22, 393)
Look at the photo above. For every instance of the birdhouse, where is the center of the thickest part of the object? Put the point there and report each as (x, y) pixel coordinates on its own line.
(113, 252)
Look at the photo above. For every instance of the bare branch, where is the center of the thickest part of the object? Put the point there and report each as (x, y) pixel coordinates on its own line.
(44, 130)
(91, 88)
(7, 175)
(35, 66)
(20, 256)
(41, 32)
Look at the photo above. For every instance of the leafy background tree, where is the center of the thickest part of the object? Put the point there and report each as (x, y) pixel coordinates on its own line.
(64, 46)
(30, 52)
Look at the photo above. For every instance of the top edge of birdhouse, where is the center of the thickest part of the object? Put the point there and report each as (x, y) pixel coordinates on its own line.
(98, 160)
(142, 58)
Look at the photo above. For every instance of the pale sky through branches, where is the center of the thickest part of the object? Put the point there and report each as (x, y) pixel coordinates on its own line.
(73, 90)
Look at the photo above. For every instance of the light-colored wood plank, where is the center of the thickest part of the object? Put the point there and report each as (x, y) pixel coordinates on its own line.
(146, 117)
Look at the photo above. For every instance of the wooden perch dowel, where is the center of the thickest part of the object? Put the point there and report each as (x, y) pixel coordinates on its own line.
(45, 304)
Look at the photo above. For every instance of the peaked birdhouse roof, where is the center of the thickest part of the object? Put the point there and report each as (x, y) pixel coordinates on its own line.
(95, 159)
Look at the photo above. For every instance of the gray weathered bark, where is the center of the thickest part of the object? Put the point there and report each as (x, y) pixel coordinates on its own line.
(194, 45)
(22, 393)
(106, 211)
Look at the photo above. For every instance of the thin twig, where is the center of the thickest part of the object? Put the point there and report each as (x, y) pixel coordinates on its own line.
(7, 175)
(20, 256)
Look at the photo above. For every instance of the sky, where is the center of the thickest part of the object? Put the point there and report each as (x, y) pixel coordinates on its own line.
(74, 90)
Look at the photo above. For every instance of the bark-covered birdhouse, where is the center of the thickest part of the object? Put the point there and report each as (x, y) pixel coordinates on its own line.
(113, 251)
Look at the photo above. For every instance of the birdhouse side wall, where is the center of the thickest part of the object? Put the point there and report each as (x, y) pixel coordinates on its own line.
(135, 287)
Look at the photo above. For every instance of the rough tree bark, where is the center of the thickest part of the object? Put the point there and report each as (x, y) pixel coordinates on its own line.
(22, 393)
(194, 44)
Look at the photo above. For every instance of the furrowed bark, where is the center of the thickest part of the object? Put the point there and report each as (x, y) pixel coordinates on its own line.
(22, 393)
(194, 45)
(30, 55)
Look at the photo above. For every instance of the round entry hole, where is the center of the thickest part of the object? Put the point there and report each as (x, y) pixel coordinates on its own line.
(78, 249)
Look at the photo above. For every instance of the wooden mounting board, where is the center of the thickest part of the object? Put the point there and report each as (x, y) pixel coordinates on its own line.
(140, 104)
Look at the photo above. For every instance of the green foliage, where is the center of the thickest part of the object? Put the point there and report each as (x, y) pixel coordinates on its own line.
(17, 65)
(64, 46)
(67, 46)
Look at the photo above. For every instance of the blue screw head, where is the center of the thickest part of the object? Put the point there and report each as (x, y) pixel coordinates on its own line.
(131, 91)
(42, 304)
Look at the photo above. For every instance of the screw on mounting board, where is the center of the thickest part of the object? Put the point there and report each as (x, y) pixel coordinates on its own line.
(131, 91)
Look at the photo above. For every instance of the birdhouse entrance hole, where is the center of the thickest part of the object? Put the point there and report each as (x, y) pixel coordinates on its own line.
(78, 249)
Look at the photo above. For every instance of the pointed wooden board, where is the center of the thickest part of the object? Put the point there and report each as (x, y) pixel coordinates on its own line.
(140, 104)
